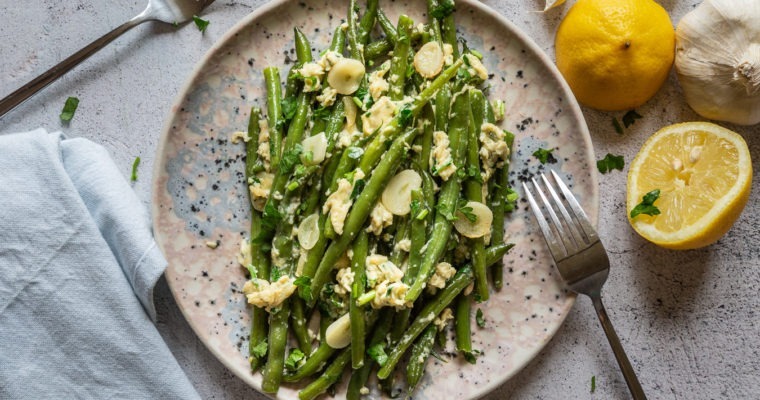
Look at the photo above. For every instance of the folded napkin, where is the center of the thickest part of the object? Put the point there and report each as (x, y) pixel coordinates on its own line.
(78, 264)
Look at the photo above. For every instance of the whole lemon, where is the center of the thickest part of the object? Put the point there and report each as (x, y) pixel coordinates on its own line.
(615, 54)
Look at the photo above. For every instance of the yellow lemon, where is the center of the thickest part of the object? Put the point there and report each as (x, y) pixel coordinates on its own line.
(615, 54)
(703, 173)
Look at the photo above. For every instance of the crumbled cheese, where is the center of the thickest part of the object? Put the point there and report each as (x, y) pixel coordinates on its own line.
(379, 115)
(379, 218)
(238, 136)
(263, 150)
(443, 163)
(212, 244)
(262, 293)
(327, 98)
(244, 256)
(390, 295)
(443, 319)
(385, 279)
(260, 189)
(345, 279)
(494, 150)
(443, 271)
(448, 54)
(476, 67)
(312, 76)
(403, 245)
(339, 202)
(377, 83)
(379, 269)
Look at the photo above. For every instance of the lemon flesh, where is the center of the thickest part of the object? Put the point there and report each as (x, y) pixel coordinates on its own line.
(704, 174)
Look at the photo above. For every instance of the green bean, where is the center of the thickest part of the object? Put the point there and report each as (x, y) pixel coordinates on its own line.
(334, 126)
(500, 187)
(293, 82)
(447, 197)
(358, 331)
(442, 105)
(387, 26)
(360, 376)
(433, 22)
(426, 140)
(352, 33)
(338, 41)
(278, 338)
(299, 324)
(449, 33)
(400, 58)
(362, 208)
(420, 353)
(303, 48)
(376, 147)
(274, 113)
(259, 259)
(418, 234)
(378, 48)
(313, 364)
(496, 252)
(474, 191)
(428, 313)
(367, 21)
(462, 323)
(328, 378)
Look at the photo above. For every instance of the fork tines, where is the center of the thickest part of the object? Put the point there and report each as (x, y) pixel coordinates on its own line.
(568, 235)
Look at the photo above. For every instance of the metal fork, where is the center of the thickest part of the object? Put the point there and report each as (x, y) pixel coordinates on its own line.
(580, 258)
(168, 11)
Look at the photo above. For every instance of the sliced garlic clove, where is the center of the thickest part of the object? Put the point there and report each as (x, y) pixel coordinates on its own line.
(553, 3)
(338, 334)
(397, 196)
(346, 75)
(429, 60)
(478, 228)
(308, 231)
(317, 146)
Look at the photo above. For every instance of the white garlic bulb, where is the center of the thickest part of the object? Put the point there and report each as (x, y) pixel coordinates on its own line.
(718, 60)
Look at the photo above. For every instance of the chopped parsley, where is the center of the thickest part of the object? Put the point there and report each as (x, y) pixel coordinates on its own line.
(290, 159)
(289, 107)
(630, 118)
(479, 318)
(593, 383)
(271, 216)
(647, 204)
(294, 359)
(135, 164)
(467, 212)
(358, 187)
(69, 109)
(275, 274)
(443, 9)
(322, 113)
(510, 202)
(405, 116)
(618, 127)
(260, 350)
(610, 162)
(303, 283)
(377, 353)
(201, 23)
(544, 155)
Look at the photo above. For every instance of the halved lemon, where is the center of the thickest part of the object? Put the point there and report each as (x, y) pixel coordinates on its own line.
(704, 174)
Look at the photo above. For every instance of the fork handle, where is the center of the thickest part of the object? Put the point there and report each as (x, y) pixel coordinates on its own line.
(625, 366)
(25, 92)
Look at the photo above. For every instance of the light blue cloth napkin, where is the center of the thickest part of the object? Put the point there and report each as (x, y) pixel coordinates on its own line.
(78, 264)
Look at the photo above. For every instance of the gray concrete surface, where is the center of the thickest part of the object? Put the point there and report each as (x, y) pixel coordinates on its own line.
(687, 319)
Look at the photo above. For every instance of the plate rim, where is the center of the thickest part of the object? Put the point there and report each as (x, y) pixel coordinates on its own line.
(159, 166)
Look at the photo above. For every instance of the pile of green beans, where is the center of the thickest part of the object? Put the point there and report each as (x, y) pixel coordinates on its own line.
(453, 102)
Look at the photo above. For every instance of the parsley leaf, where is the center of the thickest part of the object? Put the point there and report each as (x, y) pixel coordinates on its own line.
(69, 109)
(322, 113)
(289, 107)
(511, 200)
(544, 155)
(135, 164)
(593, 383)
(377, 353)
(202, 24)
(304, 284)
(290, 159)
(610, 162)
(467, 212)
(294, 359)
(441, 208)
(358, 187)
(616, 124)
(479, 318)
(275, 274)
(355, 153)
(271, 216)
(443, 9)
(260, 350)
(630, 118)
(474, 173)
(647, 204)
(416, 207)
(405, 116)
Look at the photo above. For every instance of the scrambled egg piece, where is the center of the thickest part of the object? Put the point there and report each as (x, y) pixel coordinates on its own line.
(237, 136)
(263, 150)
(494, 150)
(260, 189)
(345, 278)
(312, 76)
(442, 161)
(261, 293)
(443, 271)
(329, 59)
(379, 218)
(443, 319)
(385, 279)
(377, 83)
(404, 245)
(339, 202)
(327, 98)
(379, 115)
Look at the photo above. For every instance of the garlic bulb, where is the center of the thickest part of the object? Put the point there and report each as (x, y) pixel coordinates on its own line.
(718, 60)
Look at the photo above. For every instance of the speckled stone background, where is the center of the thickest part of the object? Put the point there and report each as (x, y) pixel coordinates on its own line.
(687, 319)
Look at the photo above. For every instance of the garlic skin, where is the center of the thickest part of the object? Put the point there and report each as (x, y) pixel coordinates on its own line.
(718, 60)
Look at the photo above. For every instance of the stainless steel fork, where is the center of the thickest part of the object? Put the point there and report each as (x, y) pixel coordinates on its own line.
(580, 258)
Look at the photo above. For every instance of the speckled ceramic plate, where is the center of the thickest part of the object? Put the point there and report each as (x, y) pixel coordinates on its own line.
(199, 193)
